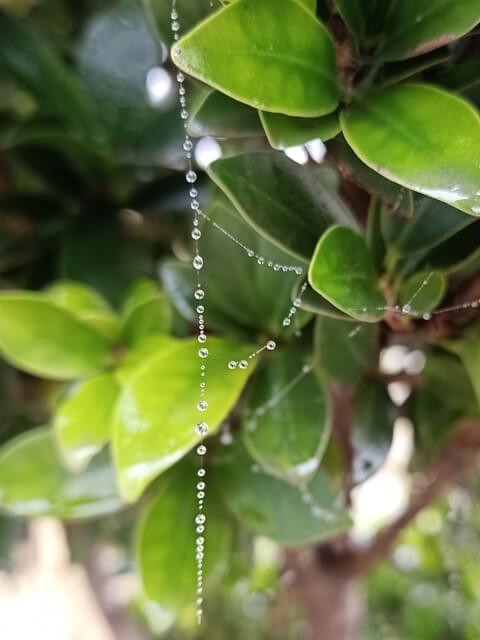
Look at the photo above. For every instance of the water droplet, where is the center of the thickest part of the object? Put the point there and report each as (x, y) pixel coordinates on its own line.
(195, 205)
(196, 234)
(202, 450)
(200, 529)
(201, 428)
(202, 405)
(184, 116)
(201, 495)
(203, 352)
(200, 519)
(201, 473)
(276, 267)
(427, 316)
(197, 263)
(271, 345)
(200, 308)
(261, 260)
(200, 486)
(406, 309)
(243, 364)
(199, 294)
(286, 322)
(191, 177)
(193, 193)
(297, 302)
(299, 271)
(202, 338)
(180, 76)
(250, 253)
(188, 145)
(232, 365)
(174, 14)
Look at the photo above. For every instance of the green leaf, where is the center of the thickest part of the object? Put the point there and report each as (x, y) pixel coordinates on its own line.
(422, 293)
(286, 422)
(374, 236)
(373, 420)
(37, 68)
(414, 27)
(146, 312)
(469, 352)
(46, 340)
(190, 13)
(240, 45)
(279, 199)
(244, 298)
(344, 351)
(156, 413)
(277, 510)
(84, 418)
(421, 137)
(455, 252)
(219, 116)
(166, 540)
(364, 18)
(284, 131)
(342, 271)
(314, 303)
(86, 304)
(33, 482)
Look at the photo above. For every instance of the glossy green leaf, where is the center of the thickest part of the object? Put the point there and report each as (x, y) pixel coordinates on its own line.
(247, 297)
(86, 304)
(421, 137)
(279, 199)
(84, 418)
(156, 412)
(397, 198)
(315, 303)
(33, 481)
(414, 27)
(166, 539)
(342, 271)
(219, 116)
(272, 508)
(422, 293)
(46, 340)
(286, 422)
(344, 351)
(37, 68)
(372, 433)
(445, 396)
(146, 312)
(190, 13)
(239, 45)
(285, 131)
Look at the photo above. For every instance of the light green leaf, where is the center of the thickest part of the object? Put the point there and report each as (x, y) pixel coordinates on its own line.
(421, 137)
(344, 351)
(284, 131)
(286, 422)
(146, 312)
(342, 271)
(166, 540)
(84, 418)
(33, 482)
(414, 27)
(219, 116)
(46, 340)
(422, 292)
(373, 419)
(240, 45)
(278, 510)
(288, 206)
(156, 413)
(87, 304)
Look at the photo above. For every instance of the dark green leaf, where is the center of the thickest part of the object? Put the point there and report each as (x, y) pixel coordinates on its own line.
(421, 137)
(342, 271)
(240, 45)
(219, 116)
(46, 340)
(286, 420)
(344, 351)
(285, 131)
(34, 483)
(281, 201)
(422, 293)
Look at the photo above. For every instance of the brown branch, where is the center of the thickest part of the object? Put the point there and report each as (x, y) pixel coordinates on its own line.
(461, 453)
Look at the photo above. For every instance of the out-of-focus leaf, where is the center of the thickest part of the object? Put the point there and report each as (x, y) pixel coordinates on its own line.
(433, 148)
(46, 340)
(146, 312)
(240, 44)
(342, 271)
(84, 418)
(286, 422)
(219, 116)
(277, 510)
(374, 235)
(344, 351)
(280, 200)
(469, 352)
(166, 540)
(156, 413)
(422, 292)
(373, 419)
(285, 131)
(453, 252)
(33, 481)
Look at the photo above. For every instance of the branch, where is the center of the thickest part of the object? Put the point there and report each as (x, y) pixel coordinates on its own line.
(460, 454)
